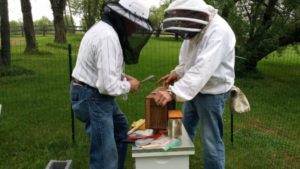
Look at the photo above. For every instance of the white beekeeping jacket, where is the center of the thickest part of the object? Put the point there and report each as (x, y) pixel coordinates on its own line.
(100, 62)
(206, 63)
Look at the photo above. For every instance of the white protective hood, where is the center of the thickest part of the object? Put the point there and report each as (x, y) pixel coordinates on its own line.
(192, 5)
(135, 10)
(187, 17)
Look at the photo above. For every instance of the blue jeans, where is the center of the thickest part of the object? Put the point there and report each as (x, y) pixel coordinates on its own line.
(105, 125)
(206, 111)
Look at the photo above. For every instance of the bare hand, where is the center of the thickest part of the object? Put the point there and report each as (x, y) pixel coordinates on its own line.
(134, 83)
(169, 79)
(128, 77)
(161, 98)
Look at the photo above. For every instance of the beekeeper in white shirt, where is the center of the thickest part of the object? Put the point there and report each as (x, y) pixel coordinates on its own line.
(99, 76)
(205, 73)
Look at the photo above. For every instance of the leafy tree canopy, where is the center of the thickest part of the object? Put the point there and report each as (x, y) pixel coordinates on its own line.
(44, 21)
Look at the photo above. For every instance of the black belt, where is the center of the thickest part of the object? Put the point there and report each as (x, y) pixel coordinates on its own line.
(80, 83)
(75, 81)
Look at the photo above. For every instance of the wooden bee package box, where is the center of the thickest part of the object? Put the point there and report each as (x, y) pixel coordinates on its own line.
(157, 116)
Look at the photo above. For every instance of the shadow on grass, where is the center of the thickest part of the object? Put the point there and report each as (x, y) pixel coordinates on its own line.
(253, 74)
(58, 46)
(9, 71)
(38, 53)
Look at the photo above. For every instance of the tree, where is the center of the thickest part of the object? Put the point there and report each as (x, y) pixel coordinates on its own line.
(5, 37)
(43, 25)
(157, 15)
(58, 7)
(70, 27)
(44, 21)
(31, 45)
(69, 18)
(92, 14)
(15, 26)
(89, 10)
(261, 27)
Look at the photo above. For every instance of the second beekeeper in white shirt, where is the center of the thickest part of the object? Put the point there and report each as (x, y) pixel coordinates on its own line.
(205, 73)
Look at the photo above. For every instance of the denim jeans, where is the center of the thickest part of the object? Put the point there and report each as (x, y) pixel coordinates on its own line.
(206, 111)
(105, 125)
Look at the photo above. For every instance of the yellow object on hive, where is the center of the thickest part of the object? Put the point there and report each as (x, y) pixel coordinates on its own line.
(137, 123)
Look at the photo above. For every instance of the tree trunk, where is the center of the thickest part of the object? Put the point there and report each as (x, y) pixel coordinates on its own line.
(28, 27)
(257, 33)
(90, 21)
(157, 33)
(250, 64)
(58, 7)
(71, 17)
(5, 58)
(91, 7)
(267, 18)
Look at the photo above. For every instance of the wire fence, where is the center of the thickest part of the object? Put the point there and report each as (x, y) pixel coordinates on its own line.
(47, 30)
(35, 105)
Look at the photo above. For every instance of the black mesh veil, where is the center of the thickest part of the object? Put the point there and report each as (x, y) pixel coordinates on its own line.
(186, 23)
(132, 43)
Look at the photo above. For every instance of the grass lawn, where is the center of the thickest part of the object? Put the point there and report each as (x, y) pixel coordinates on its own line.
(35, 124)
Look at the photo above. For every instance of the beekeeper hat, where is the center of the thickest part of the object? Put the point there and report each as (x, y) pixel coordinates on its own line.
(186, 17)
(135, 10)
(132, 41)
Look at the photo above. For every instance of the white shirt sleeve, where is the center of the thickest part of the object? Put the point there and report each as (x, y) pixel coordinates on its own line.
(197, 76)
(179, 69)
(110, 67)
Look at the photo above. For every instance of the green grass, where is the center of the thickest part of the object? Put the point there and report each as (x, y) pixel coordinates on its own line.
(35, 124)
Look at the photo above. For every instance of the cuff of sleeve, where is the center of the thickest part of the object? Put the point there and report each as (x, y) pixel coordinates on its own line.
(178, 72)
(177, 97)
(127, 86)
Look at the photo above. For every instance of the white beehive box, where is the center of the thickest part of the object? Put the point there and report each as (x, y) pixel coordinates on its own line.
(156, 158)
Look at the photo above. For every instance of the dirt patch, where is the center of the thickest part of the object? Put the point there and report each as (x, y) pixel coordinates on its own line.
(292, 160)
(260, 126)
(17, 41)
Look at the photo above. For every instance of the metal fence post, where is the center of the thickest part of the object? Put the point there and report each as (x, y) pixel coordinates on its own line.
(70, 76)
(231, 118)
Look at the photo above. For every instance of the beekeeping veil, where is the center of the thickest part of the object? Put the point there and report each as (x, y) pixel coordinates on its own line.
(116, 12)
(187, 17)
